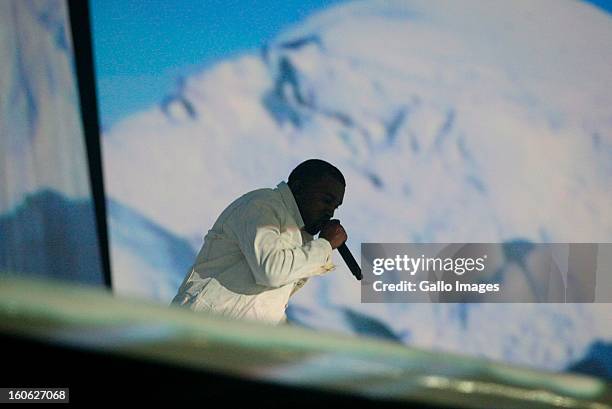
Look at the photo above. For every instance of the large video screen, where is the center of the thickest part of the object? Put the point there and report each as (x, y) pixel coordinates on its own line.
(452, 122)
(47, 221)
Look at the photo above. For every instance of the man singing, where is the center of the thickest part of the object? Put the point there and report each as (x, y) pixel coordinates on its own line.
(261, 249)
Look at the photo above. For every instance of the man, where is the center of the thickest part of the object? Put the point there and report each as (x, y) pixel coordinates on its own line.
(261, 249)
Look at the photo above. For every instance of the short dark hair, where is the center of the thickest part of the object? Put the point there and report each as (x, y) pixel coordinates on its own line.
(314, 169)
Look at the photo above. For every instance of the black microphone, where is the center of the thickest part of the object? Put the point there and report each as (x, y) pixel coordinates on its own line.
(348, 258)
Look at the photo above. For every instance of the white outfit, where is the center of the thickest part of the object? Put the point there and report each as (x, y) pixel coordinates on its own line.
(254, 258)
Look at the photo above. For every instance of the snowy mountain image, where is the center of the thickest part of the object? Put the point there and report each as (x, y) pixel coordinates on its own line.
(47, 217)
(472, 121)
(39, 107)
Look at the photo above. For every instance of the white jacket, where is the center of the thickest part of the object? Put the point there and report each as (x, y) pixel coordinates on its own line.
(254, 258)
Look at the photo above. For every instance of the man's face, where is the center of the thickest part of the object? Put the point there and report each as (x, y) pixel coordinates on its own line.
(317, 201)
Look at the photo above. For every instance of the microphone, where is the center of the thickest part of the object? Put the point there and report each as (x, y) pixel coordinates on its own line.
(348, 258)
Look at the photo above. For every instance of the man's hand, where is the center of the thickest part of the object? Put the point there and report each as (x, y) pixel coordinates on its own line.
(333, 232)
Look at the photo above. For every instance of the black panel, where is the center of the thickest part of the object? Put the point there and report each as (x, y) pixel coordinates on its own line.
(83, 57)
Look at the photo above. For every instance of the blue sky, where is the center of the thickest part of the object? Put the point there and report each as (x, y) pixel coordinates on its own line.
(141, 47)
